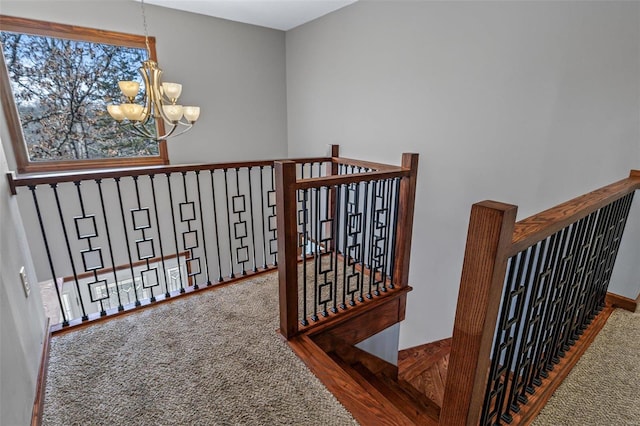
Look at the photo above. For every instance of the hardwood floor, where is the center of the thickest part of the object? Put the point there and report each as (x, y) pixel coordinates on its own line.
(425, 368)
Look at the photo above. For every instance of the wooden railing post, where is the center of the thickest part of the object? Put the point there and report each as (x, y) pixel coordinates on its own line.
(483, 272)
(404, 228)
(286, 211)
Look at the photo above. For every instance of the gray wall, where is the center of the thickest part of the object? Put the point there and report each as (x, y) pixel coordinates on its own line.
(22, 322)
(234, 72)
(530, 103)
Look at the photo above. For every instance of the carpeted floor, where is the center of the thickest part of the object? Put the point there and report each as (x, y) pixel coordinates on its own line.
(604, 386)
(210, 359)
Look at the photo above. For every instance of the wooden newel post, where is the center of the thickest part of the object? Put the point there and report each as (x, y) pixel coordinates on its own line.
(286, 210)
(406, 207)
(485, 261)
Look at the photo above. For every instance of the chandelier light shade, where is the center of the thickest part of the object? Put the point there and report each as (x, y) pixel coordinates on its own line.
(159, 100)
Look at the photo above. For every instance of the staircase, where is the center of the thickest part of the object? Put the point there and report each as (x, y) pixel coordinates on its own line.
(531, 301)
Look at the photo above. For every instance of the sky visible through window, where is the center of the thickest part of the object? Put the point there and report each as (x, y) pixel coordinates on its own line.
(61, 88)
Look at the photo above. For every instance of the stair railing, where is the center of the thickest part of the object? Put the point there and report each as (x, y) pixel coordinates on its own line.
(528, 292)
(109, 241)
(344, 238)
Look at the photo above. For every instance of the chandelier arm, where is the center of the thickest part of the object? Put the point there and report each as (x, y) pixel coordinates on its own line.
(170, 134)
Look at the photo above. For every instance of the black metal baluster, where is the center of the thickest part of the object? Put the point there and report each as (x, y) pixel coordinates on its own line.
(86, 234)
(305, 241)
(190, 240)
(396, 203)
(167, 294)
(215, 225)
(106, 224)
(204, 235)
(126, 239)
(374, 188)
(175, 231)
(146, 223)
(365, 243)
(240, 233)
(54, 186)
(349, 215)
(274, 232)
(65, 320)
(502, 351)
(262, 209)
(226, 192)
(335, 224)
(253, 223)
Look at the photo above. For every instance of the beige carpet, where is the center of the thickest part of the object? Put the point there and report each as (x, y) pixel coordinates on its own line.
(604, 386)
(208, 359)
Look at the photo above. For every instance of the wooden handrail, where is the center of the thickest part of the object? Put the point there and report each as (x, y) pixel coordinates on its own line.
(535, 228)
(50, 178)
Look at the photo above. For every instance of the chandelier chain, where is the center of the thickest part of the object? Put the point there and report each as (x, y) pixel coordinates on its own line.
(146, 30)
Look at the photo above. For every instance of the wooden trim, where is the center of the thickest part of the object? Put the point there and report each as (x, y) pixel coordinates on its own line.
(622, 302)
(404, 229)
(529, 231)
(41, 384)
(549, 385)
(362, 163)
(11, 115)
(361, 326)
(73, 32)
(286, 211)
(395, 172)
(49, 178)
(488, 240)
(334, 320)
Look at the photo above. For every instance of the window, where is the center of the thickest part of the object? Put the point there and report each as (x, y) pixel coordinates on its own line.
(56, 81)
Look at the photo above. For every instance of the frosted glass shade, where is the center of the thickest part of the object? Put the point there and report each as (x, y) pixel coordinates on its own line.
(129, 88)
(191, 113)
(132, 111)
(173, 112)
(116, 112)
(172, 90)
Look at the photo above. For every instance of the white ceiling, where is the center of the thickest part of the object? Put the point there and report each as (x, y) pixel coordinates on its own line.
(279, 14)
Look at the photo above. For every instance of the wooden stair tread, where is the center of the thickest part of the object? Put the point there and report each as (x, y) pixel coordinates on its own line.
(425, 368)
(414, 404)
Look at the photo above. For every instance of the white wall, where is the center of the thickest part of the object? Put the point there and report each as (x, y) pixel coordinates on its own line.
(22, 322)
(530, 103)
(234, 72)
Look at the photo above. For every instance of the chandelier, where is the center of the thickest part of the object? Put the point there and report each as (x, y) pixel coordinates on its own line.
(159, 100)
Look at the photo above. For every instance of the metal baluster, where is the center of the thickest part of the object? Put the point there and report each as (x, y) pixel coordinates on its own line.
(365, 244)
(167, 294)
(54, 186)
(503, 344)
(175, 231)
(262, 208)
(106, 224)
(215, 225)
(334, 229)
(396, 203)
(126, 239)
(305, 240)
(345, 243)
(144, 238)
(103, 312)
(372, 271)
(273, 212)
(226, 192)
(65, 320)
(253, 223)
(244, 270)
(204, 236)
(192, 244)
